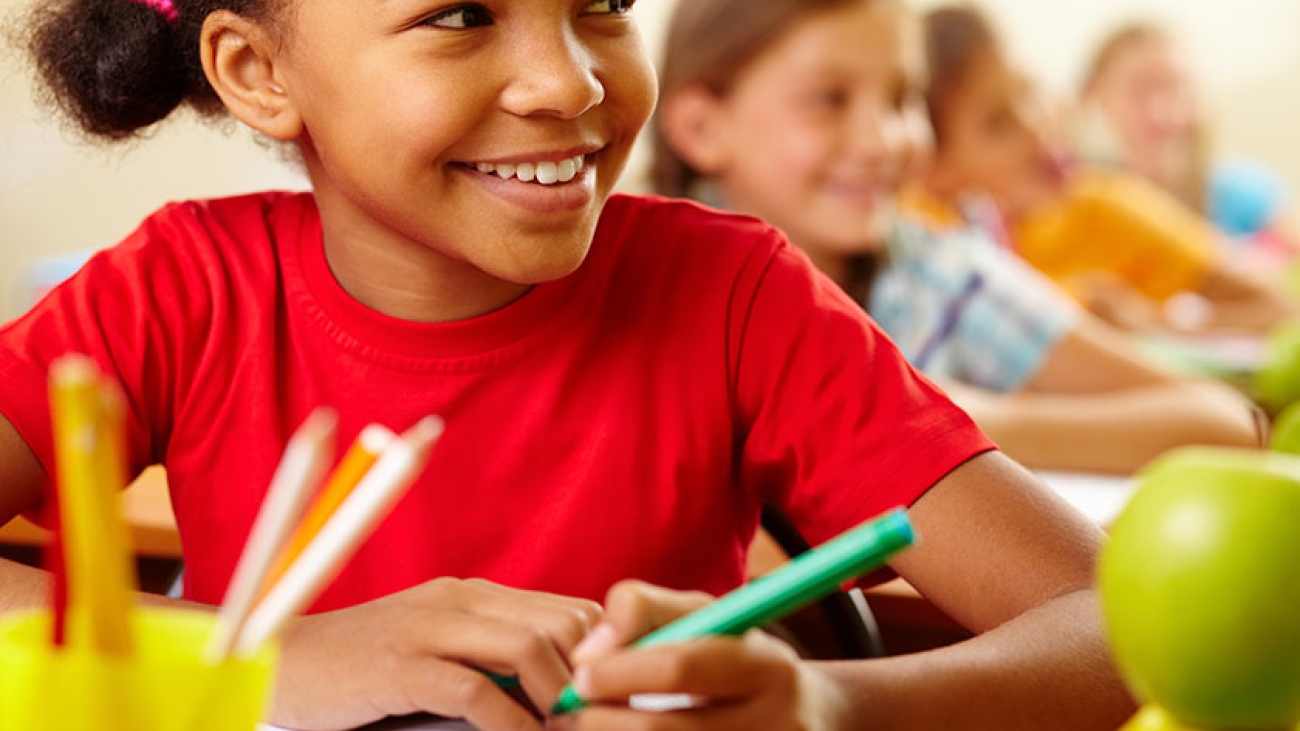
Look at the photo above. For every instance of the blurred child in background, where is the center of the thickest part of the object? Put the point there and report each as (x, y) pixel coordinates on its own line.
(811, 131)
(1140, 111)
(1103, 236)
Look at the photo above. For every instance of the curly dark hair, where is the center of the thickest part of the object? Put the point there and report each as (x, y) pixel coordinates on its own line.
(116, 67)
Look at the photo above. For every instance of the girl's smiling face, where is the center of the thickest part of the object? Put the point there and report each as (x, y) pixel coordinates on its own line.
(1146, 93)
(811, 134)
(489, 134)
(995, 137)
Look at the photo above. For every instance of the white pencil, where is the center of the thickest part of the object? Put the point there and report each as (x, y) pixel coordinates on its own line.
(299, 473)
(368, 504)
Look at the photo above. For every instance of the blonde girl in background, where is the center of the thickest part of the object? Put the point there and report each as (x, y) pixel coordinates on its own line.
(1141, 110)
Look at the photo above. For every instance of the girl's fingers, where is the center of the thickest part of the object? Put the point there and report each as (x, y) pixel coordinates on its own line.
(565, 619)
(502, 646)
(633, 609)
(447, 689)
(717, 668)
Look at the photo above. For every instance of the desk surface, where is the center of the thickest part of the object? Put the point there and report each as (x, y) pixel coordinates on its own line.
(147, 508)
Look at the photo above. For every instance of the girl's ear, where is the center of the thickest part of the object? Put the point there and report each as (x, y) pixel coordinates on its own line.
(691, 121)
(239, 60)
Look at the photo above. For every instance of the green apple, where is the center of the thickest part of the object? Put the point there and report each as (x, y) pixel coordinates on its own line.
(1155, 718)
(1278, 381)
(1200, 586)
(1286, 430)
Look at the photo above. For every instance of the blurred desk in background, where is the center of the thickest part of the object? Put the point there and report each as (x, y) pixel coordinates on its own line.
(1232, 358)
(147, 508)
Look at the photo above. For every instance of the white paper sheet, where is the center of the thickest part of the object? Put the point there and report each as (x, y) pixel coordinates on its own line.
(1099, 497)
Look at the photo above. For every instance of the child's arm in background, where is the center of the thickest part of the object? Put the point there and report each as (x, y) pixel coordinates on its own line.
(997, 552)
(1115, 432)
(1242, 300)
(1095, 405)
(401, 654)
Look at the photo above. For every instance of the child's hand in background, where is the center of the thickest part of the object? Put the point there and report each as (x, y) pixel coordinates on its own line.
(750, 682)
(421, 650)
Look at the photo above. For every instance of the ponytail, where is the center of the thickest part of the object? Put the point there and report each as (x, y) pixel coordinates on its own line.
(117, 67)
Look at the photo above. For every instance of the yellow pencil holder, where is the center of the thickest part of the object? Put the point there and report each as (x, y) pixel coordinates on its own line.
(164, 685)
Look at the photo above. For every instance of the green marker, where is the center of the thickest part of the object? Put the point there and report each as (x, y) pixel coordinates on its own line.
(799, 583)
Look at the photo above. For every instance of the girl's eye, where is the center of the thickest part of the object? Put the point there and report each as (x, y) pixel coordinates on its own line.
(608, 7)
(461, 16)
(829, 99)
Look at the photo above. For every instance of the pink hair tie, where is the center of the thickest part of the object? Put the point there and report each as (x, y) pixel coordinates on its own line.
(165, 8)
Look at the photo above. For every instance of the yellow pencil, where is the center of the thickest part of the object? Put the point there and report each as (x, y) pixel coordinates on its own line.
(87, 415)
(301, 468)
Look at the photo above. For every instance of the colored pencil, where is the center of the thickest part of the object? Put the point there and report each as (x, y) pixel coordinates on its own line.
(305, 460)
(371, 500)
(360, 457)
(87, 415)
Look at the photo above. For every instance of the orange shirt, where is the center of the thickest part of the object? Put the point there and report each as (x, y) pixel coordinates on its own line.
(1124, 226)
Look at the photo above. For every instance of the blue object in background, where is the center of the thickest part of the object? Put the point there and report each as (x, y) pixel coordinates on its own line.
(36, 279)
(1244, 198)
(45, 274)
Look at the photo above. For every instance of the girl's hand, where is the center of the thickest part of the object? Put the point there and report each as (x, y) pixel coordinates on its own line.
(424, 650)
(740, 683)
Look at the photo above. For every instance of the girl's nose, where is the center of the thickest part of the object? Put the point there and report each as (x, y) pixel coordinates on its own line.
(553, 76)
(880, 135)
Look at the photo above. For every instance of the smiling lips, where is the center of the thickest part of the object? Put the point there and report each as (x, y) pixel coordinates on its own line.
(544, 173)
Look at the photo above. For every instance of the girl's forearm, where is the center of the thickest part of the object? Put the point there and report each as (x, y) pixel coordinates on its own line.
(1245, 301)
(24, 587)
(1048, 668)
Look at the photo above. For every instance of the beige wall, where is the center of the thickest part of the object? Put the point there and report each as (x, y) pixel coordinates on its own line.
(58, 195)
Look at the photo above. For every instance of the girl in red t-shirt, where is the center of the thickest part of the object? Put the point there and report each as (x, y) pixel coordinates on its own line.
(461, 156)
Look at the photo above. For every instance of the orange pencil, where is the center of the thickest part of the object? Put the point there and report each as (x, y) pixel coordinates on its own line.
(300, 471)
(360, 457)
(349, 526)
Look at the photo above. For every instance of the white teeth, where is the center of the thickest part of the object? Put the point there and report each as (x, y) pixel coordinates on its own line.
(566, 170)
(545, 172)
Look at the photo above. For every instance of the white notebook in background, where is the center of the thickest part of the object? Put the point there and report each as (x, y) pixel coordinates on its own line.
(1099, 497)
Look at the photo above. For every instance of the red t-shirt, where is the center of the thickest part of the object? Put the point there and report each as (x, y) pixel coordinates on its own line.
(626, 421)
